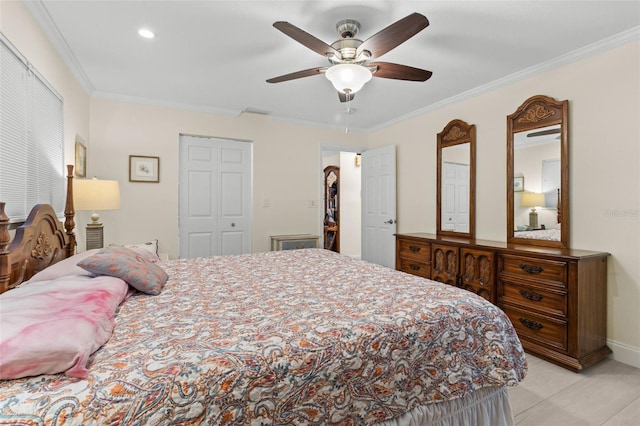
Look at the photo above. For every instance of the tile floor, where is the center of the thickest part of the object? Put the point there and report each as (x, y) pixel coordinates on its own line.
(606, 394)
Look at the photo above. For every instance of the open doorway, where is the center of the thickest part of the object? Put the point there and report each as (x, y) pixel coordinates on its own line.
(347, 205)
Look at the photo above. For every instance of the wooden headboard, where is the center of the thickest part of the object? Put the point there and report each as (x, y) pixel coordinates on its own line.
(39, 242)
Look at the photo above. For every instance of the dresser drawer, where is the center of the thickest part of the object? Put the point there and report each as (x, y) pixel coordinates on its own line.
(538, 328)
(415, 267)
(545, 300)
(540, 270)
(414, 250)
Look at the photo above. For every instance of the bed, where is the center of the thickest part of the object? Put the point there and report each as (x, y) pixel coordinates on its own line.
(299, 337)
(552, 234)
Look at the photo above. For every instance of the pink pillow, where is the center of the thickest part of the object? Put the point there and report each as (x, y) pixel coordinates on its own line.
(128, 265)
(54, 326)
(66, 266)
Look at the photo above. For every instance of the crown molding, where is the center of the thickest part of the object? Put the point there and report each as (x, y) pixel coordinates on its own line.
(164, 104)
(42, 17)
(603, 45)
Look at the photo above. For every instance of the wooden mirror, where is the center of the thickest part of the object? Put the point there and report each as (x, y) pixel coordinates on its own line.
(331, 208)
(456, 180)
(538, 173)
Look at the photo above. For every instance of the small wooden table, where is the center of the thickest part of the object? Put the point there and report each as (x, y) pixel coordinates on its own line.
(292, 242)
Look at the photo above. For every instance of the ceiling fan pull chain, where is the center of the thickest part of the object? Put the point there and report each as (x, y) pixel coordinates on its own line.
(348, 112)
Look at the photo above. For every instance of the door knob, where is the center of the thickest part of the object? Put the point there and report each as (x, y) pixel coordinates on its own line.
(233, 224)
(390, 221)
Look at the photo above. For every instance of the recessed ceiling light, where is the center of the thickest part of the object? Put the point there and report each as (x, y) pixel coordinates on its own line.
(146, 33)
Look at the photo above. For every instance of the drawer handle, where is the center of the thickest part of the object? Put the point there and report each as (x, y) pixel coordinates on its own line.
(534, 325)
(531, 295)
(531, 269)
(414, 249)
(414, 267)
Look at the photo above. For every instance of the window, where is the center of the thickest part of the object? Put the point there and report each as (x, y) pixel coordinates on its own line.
(31, 137)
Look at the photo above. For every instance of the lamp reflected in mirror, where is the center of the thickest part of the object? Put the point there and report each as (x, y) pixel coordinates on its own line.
(96, 195)
(533, 200)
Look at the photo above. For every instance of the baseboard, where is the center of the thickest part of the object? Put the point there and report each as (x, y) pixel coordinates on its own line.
(624, 353)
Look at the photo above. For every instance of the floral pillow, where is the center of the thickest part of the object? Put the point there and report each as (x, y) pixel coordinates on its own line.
(129, 266)
(143, 250)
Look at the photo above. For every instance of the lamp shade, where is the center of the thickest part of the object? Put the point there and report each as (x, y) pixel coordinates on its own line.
(532, 199)
(348, 78)
(95, 194)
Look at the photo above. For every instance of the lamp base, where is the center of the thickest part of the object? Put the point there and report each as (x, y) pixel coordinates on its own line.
(95, 236)
(533, 219)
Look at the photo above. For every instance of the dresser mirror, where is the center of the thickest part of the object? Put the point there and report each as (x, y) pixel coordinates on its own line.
(538, 173)
(456, 180)
(332, 208)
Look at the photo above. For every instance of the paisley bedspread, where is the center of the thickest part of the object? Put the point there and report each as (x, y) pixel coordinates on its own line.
(300, 337)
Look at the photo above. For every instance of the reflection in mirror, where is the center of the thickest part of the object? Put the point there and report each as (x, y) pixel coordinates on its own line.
(537, 168)
(537, 156)
(456, 180)
(331, 208)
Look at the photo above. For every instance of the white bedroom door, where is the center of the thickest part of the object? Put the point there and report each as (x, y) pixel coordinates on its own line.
(214, 197)
(379, 206)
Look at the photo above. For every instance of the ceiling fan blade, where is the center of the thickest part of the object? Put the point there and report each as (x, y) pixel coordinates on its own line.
(394, 35)
(306, 39)
(399, 72)
(297, 74)
(345, 98)
(543, 133)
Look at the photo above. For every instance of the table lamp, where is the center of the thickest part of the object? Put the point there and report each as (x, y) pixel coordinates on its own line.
(95, 195)
(533, 200)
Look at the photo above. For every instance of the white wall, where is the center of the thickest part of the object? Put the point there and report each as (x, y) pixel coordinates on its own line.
(604, 134)
(285, 168)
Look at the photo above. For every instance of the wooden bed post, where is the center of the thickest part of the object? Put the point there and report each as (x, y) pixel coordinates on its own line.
(69, 213)
(5, 270)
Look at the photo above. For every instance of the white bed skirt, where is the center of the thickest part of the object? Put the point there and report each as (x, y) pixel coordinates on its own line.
(485, 407)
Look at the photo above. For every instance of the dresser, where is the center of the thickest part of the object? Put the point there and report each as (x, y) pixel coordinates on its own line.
(556, 298)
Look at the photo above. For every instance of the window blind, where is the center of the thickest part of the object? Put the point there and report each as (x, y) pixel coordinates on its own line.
(31, 137)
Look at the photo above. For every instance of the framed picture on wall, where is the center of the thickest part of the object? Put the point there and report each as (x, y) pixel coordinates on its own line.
(144, 169)
(81, 160)
(518, 184)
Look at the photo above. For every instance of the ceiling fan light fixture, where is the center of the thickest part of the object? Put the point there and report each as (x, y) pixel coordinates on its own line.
(348, 78)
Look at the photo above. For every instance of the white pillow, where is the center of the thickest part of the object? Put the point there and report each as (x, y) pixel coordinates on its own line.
(66, 266)
(152, 246)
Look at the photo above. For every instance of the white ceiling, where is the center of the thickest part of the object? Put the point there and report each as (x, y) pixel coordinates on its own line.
(216, 55)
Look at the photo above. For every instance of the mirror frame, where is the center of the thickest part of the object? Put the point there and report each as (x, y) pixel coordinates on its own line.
(457, 132)
(336, 228)
(536, 112)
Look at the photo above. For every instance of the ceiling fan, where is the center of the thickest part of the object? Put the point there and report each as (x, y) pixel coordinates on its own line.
(349, 57)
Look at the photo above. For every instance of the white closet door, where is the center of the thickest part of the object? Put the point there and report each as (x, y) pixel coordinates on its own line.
(215, 197)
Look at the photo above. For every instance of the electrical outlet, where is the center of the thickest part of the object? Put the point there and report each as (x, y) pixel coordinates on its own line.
(266, 202)
(312, 204)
